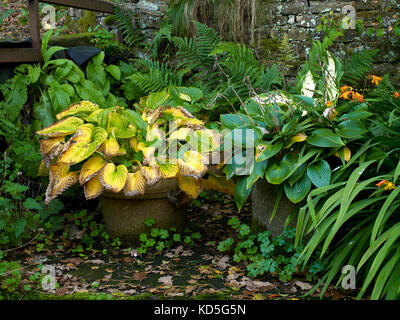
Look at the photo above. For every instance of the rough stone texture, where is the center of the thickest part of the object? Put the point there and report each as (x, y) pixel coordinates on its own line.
(263, 201)
(124, 218)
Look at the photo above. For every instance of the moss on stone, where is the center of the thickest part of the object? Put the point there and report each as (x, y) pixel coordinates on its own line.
(87, 21)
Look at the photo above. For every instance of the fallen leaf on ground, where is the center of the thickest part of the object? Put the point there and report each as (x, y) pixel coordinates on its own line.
(140, 276)
(303, 285)
(166, 280)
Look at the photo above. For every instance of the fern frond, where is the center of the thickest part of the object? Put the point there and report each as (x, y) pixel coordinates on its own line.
(358, 67)
(125, 20)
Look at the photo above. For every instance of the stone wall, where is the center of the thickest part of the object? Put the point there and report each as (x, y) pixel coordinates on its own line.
(298, 19)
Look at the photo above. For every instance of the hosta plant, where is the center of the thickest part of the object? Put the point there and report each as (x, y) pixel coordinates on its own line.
(296, 140)
(118, 150)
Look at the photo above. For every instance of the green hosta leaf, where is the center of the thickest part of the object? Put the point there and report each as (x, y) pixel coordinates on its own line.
(241, 192)
(277, 173)
(96, 74)
(233, 121)
(297, 174)
(325, 138)
(350, 129)
(319, 173)
(189, 94)
(258, 172)
(299, 190)
(268, 150)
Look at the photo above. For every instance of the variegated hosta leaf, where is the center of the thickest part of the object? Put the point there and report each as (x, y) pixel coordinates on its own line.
(83, 144)
(155, 133)
(204, 141)
(308, 85)
(344, 153)
(330, 75)
(189, 185)
(61, 128)
(82, 108)
(51, 148)
(180, 134)
(135, 184)
(113, 178)
(151, 116)
(168, 169)
(217, 183)
(192, 164)
(151, 173)
(299, 137)
(119, 126)
(43, 170)
(91, 168)
(60, 180)
(148, 152)
(93, 188)
(111, 148)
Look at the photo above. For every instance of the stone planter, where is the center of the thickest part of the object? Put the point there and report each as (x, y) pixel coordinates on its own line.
(264, 196)
(125, 217)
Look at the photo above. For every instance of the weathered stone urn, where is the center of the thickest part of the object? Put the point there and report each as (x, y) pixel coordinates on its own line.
(125, 217)
(264, 196)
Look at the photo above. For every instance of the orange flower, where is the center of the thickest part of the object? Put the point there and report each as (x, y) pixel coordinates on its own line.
(380, 183)
(375, 79)
(358, 97)
(329, 104)
(387, 185)
(346, 95)
(346, 88)
(396, 95)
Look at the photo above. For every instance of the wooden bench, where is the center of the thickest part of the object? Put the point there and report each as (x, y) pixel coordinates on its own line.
(33, 54)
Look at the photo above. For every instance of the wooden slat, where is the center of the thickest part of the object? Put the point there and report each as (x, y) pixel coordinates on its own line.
(34, 23)
(9, 55)
(93, 5)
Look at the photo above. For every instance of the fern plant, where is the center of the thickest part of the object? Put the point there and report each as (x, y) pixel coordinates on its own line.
(358, 66)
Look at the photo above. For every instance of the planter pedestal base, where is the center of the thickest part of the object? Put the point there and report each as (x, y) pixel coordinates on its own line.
(125, 217)
(264, 196)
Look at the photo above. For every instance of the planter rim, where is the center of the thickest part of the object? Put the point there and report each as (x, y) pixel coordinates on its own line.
(156, 191)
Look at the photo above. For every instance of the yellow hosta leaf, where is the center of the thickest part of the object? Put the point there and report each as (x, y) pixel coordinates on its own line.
(113, 178)
(91, 168)
(148, 152)
(61, 128)
(84, 107)
(43, 170)
(133, 143)
(168, 170)
(345, 152)
(218, 183)
(51, 148)
(93, 188)
(61, 178)
(83, 144)
(94, 116)
(192, 164)
(154, 133)
(191, 123)
(204, 141)
(178, 113)
(111, 148)
(151, 116)
(135, 184)
(189, 185)
(299, 137)
(151, 173)
(180, 134)
(120, 126)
